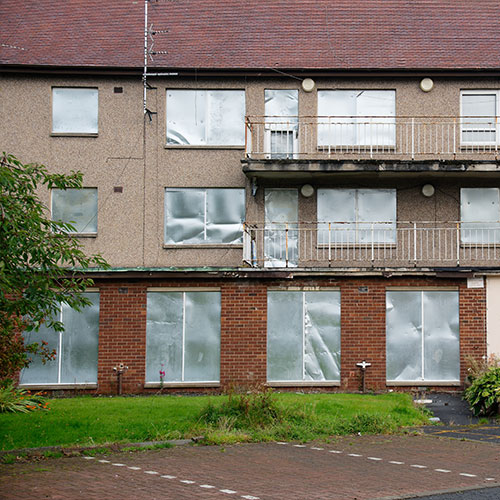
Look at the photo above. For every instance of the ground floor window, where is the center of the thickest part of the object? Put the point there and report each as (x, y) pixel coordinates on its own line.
(76, 348)
(183, 336)
(303, 336)
(423, 336)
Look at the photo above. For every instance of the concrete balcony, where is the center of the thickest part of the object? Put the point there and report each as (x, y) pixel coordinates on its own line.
(330, 143)
(371, 245)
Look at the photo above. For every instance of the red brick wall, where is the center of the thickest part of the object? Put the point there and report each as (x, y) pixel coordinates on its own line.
(122, 335)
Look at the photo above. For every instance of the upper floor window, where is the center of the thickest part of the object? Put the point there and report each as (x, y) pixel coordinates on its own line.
(281, 128)
(480, 111)
(74, 110)
(206, 117)
(480, 215)
(204, 216)
(356, 118)
(77, 207)
(356, 216)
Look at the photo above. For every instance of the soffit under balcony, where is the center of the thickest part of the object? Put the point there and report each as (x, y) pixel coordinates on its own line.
(309, 169)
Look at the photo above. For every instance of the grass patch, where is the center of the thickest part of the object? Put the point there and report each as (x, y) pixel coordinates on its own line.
(88, 421)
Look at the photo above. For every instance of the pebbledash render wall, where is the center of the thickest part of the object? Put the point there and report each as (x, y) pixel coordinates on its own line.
(243, 336)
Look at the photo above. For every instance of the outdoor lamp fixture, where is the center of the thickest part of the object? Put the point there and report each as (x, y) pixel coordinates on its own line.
(426, 84)
(307, 190)
(308, 85)
(428, 190)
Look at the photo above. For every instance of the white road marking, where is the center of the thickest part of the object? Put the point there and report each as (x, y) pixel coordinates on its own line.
(207, 486)
(335, 451)
(119, 465)
(166, 476)
(300, 445)
(395, 462)
(490, 479)
(89, 458)
(280, 442)
(467, 475)
(315, 448)
(442, 470)
(134, 468)
(419, 466)
(354, 455)
(187, 481)
(229, 492)
(250, 497)
(153, 472)
(104, 461)
(373, 458)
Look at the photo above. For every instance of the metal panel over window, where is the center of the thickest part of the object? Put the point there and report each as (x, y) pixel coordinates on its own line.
(183, 336)
(74, 110)
(303, 336)
(356, 117)
(206, 117)
(198, 216)
(423, 336)
(480, 215)
(76, 206)
(281, 233)
(356, 216)
(76, 348)
(480, 110)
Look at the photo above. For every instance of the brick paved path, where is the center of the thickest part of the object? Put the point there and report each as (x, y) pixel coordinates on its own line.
(360, 467)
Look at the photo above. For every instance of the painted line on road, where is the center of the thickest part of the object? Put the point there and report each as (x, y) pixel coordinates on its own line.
(374, 458)
(467, 475)
(228, 492)
(417, 466)
(442, 470)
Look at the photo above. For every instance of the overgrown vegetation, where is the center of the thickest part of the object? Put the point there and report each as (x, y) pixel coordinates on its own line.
(483, 395)
(14, 399)
(87, 421)
(35, 256)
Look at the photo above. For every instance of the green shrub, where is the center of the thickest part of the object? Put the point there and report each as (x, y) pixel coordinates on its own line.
(484, 393)
(14, 399)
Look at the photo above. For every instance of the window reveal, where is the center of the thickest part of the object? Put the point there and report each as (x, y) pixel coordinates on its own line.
(422, 336)
(198, 216)
(183, 336)
(303, 336)
(76, 348)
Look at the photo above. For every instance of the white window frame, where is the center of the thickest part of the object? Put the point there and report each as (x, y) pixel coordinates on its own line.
(205, 242)
(76, 131)
(182, 381)
(206, 117)
(59, 356)
(357, 241)
(94, 216)
(496, 126)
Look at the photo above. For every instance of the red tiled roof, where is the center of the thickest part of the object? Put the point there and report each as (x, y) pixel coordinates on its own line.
(256, 34)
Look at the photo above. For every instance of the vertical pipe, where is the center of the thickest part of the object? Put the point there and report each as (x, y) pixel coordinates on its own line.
(458, 243)
(183, 333)
(413, 138)
(145, 53)
(414, 242)
(59, 354)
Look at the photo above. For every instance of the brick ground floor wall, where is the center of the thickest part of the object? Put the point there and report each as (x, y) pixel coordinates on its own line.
(243, 336)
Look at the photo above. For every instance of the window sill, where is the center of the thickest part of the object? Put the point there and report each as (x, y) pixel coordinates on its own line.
(157, 385)
(73, 134)
(422, 383)
(178, 246)
(308, 383)
(83, 235)
(198, 146)
(58, 386)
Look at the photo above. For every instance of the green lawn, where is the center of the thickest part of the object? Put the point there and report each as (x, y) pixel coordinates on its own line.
(89, 420)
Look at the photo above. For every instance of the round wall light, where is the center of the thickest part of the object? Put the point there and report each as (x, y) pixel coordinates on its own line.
(308, 84)
(307, 190)
(428, 190)
(426, 84)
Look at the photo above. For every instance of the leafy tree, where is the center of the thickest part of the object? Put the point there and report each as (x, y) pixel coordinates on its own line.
(40, 263)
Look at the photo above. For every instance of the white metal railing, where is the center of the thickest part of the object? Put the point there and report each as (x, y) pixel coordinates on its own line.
(377, 244)
(303, 137)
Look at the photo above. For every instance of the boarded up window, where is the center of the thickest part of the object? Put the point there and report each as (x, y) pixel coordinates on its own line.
(77, 207)
(480, 215)
(74, 111)
(303, 336)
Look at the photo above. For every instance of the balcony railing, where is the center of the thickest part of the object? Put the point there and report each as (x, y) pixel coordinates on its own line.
(366, 137)
(378, 244)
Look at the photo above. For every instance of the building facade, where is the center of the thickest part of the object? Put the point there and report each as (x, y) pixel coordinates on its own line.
(266, 224)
